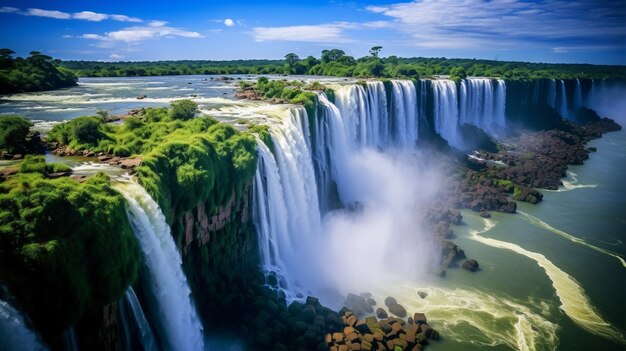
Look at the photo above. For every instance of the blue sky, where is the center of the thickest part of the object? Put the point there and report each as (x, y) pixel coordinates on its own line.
(537, 31)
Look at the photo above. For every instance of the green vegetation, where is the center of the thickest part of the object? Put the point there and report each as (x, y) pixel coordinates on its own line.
(14, 131)
(183, 109)
(184, 161)
(335, 62)
(34, 73)
(66, 248)
(287, 92)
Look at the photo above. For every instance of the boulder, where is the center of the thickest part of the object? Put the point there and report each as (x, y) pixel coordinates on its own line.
(358, 304)
(398, 310)
(381, 313)
(390, 301)
(470, 265)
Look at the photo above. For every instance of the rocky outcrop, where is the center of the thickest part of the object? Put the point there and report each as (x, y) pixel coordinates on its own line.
(385, 334)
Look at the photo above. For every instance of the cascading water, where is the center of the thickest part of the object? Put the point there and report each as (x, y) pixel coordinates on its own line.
(552, 93)
(405, 113)
(16, 335)
(482, 103)
(446, 114)
(286, 199)
(165, 283)
(134, 323)
(345, 146)
(563, 100)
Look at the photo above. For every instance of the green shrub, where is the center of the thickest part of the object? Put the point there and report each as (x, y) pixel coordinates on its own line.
(66, 248)
(13, 133)
(183, 109)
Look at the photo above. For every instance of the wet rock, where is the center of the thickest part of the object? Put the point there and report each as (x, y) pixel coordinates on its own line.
(485, 214)
(381, 313)
(398, 310)
(390, 301)
(358, 304)
(422, 294)
(471, 265)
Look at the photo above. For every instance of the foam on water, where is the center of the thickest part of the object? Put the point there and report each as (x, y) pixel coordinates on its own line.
(574, 302)
(541, 224)
(479, 318)
(571, 184)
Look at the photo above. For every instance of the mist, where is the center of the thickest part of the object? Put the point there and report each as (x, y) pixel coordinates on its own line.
(611, 103)
(384, 237)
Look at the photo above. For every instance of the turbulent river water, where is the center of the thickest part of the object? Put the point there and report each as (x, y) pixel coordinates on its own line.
(552, 276)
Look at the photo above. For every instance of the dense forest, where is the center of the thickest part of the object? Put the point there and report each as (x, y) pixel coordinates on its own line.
(335, 62)
(34, 73)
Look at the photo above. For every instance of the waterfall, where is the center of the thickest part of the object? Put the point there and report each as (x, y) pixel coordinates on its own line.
(16, 334)
(578, 96)
(482, 103)
(563, 100)
(134, 323)
(552, 93)
(446, 114)
(286, 206)
(169, 295)
(405, 116)
(346, 157)
(378, 114)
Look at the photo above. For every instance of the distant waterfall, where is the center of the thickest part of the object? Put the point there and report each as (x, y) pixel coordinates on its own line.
(552, 93)
(446, 114)
(162, 275)
(14, 333)
(482, 103)
(563, 100)
(134, 324)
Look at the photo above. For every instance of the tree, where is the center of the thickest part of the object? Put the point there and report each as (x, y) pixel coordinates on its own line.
(374, 51)
(458, 73)
(291, 59)
(13, 133)
(183, 109)
(332, 55)
(6, 57)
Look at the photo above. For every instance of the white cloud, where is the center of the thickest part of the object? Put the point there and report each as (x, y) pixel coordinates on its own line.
(560, 50)
(66, 36)
(116, 57)
(83, 15)
(92, 36)
(47, 13)
(90, 16)
(155, 29)
(229, 22)
(510, 24)
(8, 9)
(124, 18)
(323, 33)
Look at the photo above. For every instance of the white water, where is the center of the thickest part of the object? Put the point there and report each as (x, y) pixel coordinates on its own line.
(574, 302)
(494, 320)
(446, 115)
(131, 311)
(482, 104)
(163, 277)
(15, 334)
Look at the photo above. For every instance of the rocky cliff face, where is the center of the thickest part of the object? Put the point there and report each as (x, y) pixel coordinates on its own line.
(218, 250)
